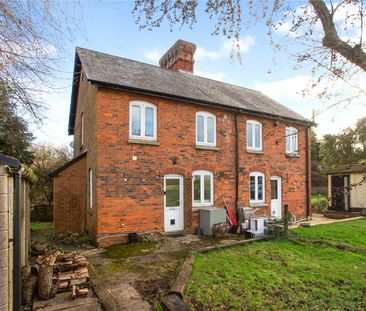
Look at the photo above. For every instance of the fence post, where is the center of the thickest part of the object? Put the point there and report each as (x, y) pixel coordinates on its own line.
(285, 222)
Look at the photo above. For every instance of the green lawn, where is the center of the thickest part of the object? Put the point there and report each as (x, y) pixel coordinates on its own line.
(351, 232)
(35, 226)
(280, 274)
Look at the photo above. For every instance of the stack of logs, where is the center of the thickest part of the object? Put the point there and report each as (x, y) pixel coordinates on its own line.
(62, 272)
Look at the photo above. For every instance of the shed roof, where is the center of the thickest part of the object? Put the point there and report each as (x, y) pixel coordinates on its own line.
(9, 161)
(118, 72)
(358, 168)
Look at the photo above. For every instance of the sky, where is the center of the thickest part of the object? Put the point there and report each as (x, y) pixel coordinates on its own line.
(110, 27)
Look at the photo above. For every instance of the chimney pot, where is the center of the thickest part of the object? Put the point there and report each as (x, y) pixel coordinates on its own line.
(179, 57)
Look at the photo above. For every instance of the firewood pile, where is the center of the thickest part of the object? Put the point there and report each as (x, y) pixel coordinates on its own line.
(59, 272)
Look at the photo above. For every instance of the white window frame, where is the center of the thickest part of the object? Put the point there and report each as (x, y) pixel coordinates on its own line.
(143, 105)
(294, 148)
(202, 190)
(256, 175)
(254, 123)
(205, 115)
(90, 188)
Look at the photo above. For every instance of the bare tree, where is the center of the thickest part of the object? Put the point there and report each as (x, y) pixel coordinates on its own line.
(328, 35)
(32, 35)
(47, 158)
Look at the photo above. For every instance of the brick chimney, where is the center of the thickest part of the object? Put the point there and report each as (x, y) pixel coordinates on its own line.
(179, 57)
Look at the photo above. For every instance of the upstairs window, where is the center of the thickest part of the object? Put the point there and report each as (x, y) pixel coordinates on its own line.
(257, 187)
(202, 188)
(142, 120)
(254, 135)
(292, 140)
(205, 129)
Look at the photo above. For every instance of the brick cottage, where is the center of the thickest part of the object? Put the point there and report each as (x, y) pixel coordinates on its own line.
(153, 145)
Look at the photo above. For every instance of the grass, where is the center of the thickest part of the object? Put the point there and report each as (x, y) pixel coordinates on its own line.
(346, 232)
(36, 226)
(284, 275)
(122, 251)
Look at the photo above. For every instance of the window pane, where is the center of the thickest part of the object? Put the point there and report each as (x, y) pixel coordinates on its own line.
(207, 190)
(172, 192)
(249, 135)
(197, 188)
(252, 187)
(200, 129)
(260, 188)
(136, 120)
(293, 138)
(149, 122)
(210, 130)
(257, 136)
(288, 141)
(274, 189)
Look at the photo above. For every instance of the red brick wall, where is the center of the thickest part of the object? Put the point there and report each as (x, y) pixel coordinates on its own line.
(130, 193)
(70, 198)
(86, 105)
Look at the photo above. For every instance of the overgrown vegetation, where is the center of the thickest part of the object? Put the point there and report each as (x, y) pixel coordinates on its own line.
(319, 203)
(345, 148)
(35, 226)
(284, 275)
(47, 158)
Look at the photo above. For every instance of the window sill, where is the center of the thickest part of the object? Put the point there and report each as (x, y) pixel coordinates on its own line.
(255, 151)
(203, 147)
(144, 142)
(258, 204)
(292, 155)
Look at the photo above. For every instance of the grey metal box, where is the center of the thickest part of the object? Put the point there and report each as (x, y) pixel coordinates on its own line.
(211, 216)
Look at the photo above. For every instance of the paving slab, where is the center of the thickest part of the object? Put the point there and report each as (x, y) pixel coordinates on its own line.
(128, 298)
(63, 301)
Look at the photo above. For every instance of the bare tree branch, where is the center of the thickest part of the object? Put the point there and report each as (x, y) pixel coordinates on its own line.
(331, 40)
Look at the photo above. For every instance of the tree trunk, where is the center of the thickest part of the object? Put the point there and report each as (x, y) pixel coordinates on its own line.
(46, 288)
(29, 282)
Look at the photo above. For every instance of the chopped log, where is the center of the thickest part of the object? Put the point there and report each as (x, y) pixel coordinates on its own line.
(81, 276)
(64, 278)
(82, 263)
(78, 281)
(54, 257)
(63, 267)
(47, 288)
(66, 257)
(63, 285)
(73, 295)
(82, 292)
(81, 270)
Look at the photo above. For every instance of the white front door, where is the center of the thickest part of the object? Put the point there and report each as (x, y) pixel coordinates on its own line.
(173, 203)
(276, 197)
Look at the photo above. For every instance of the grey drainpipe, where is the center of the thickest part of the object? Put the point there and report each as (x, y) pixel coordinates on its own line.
(236, 165)
(17, 279)
(308, 208)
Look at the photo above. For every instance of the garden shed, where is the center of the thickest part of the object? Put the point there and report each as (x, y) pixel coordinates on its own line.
(347, 188)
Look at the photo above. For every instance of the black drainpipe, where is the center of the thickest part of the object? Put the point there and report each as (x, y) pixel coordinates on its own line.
(17, 279)
(236, 165)
(308, 208)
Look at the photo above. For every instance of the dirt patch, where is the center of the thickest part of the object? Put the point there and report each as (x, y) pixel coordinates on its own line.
(150, 267)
